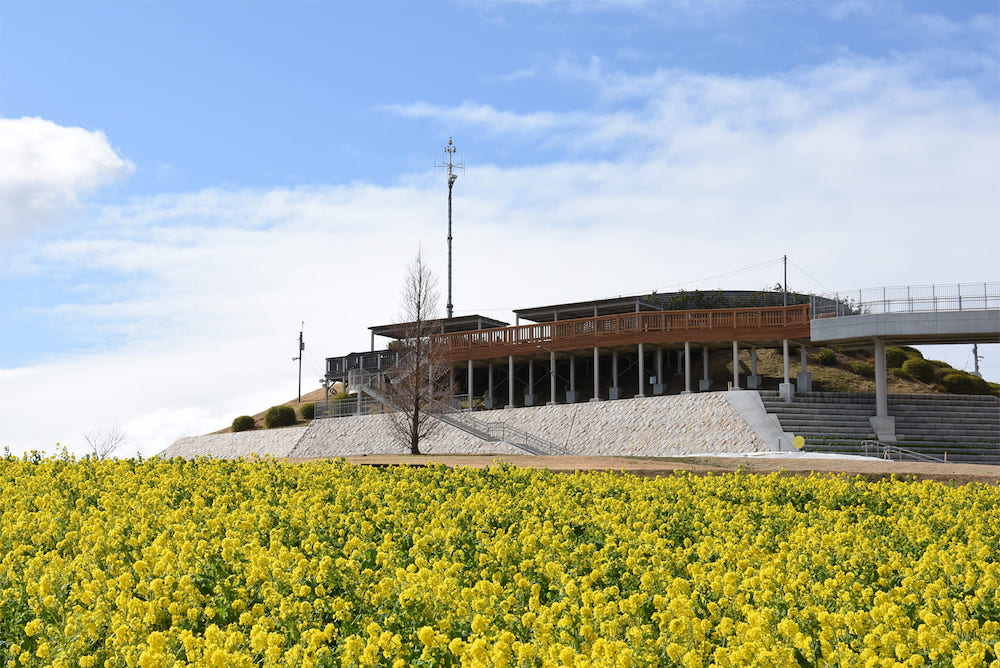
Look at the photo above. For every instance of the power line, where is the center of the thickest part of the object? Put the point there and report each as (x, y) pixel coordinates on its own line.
(810, 276)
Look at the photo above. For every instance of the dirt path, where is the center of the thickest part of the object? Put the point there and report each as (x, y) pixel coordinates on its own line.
(873, 469)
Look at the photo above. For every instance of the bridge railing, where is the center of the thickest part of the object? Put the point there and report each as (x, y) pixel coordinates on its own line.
(909, 299)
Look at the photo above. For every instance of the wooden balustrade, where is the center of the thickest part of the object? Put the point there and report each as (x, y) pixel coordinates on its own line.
(703, 326)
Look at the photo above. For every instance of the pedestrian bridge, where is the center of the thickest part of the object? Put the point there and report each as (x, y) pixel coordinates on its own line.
(928, 314)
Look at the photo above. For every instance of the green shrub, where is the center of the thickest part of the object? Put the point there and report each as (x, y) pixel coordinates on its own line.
(243, 423)
(961, 382)
(826, 357)
(995, 387)
(920, 369)
(307, 411)
(912, 352)
(894, 357)
(938, 364)
(279, 416)
(899, 373)
(863, 369)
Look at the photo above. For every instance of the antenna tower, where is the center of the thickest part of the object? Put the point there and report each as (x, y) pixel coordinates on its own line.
(452, 167)
(302, 346)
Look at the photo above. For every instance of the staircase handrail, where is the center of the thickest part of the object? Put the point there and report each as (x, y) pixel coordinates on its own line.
(886, 451)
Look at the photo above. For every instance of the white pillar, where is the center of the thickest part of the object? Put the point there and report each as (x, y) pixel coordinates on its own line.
(785, 390)
(552, 378)
(804, 354)
(614, 369)
(753, 360)
(469, 386)
(572, 374)
(642, 372)
(736, 365)
(687, 367)
(784, 350)
(597, 373)
(510, 381)
(489, 379)
(881, 382)
(659, 365)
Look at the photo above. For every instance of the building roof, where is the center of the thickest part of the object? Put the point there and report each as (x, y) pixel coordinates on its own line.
(588, 309)
(462, 323)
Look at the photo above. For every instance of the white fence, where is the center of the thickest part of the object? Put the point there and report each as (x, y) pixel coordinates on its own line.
(909, 299)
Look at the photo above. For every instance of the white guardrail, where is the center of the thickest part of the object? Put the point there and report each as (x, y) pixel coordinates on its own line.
(909, 299)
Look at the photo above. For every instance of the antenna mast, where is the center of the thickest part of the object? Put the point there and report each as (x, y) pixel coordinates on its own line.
(452, 168)
(302, 346)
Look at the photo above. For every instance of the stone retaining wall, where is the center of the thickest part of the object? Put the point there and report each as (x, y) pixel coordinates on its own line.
(650, 427)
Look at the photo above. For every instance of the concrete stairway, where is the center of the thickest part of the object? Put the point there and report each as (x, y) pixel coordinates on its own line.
(965, 427)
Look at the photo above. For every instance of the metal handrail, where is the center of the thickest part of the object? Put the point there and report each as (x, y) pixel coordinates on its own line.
(909, 299)
(887, 450)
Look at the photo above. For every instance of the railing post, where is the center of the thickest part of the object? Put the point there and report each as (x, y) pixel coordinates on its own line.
(959, 285)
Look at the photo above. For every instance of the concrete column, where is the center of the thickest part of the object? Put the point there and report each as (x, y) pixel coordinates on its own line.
(803, 382)
(660, 385)
(552, 378)
(881, 381)
(469, 385)
(736, 365)
(373, 341)
(753, 382)
(883, 425)
(642, 372)
(489, 389)
(785, 390)
(529, 397)
(510, 382)
(571, 397)
(687, 367)
(704, 383)
(597, 371)
(614, 391)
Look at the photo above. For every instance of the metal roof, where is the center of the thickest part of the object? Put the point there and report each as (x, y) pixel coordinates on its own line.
(462, 323)
(588, 309)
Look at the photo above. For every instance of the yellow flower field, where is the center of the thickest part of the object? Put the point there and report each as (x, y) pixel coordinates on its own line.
(240, 563)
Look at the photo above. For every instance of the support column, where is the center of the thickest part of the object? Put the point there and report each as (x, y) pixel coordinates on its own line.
(529, 397)
(736, 365)
(571, 397)
(803, 382)
(642, 372)
(552, 378)
(660, 385)
(510, 382)
(489, 389)
(614, 392)
(469, 386)
(597, 374)
(687, 367)
(785, 390)
(753, 382)
(883, 425)
(705, 382)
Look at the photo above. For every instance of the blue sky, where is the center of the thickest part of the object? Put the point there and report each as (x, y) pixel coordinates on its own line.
(184, 182)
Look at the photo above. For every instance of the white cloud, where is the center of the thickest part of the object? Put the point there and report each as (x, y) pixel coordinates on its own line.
(48, 168)
(863, 174)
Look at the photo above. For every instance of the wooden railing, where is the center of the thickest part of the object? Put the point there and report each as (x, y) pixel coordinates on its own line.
(702, 326)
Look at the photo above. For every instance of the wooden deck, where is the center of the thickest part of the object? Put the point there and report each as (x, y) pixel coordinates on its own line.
(749, 325)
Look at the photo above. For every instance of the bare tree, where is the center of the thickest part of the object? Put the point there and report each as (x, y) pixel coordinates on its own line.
(414, 386)
(104, 441)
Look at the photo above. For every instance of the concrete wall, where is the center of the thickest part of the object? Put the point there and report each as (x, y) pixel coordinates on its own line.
(650, 427)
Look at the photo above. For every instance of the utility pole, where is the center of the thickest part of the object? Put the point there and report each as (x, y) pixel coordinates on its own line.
(785, 292)
(452, 167)
(302, 346)
(976, 357)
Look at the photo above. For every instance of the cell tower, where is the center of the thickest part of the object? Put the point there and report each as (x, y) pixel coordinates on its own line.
(452, 167)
